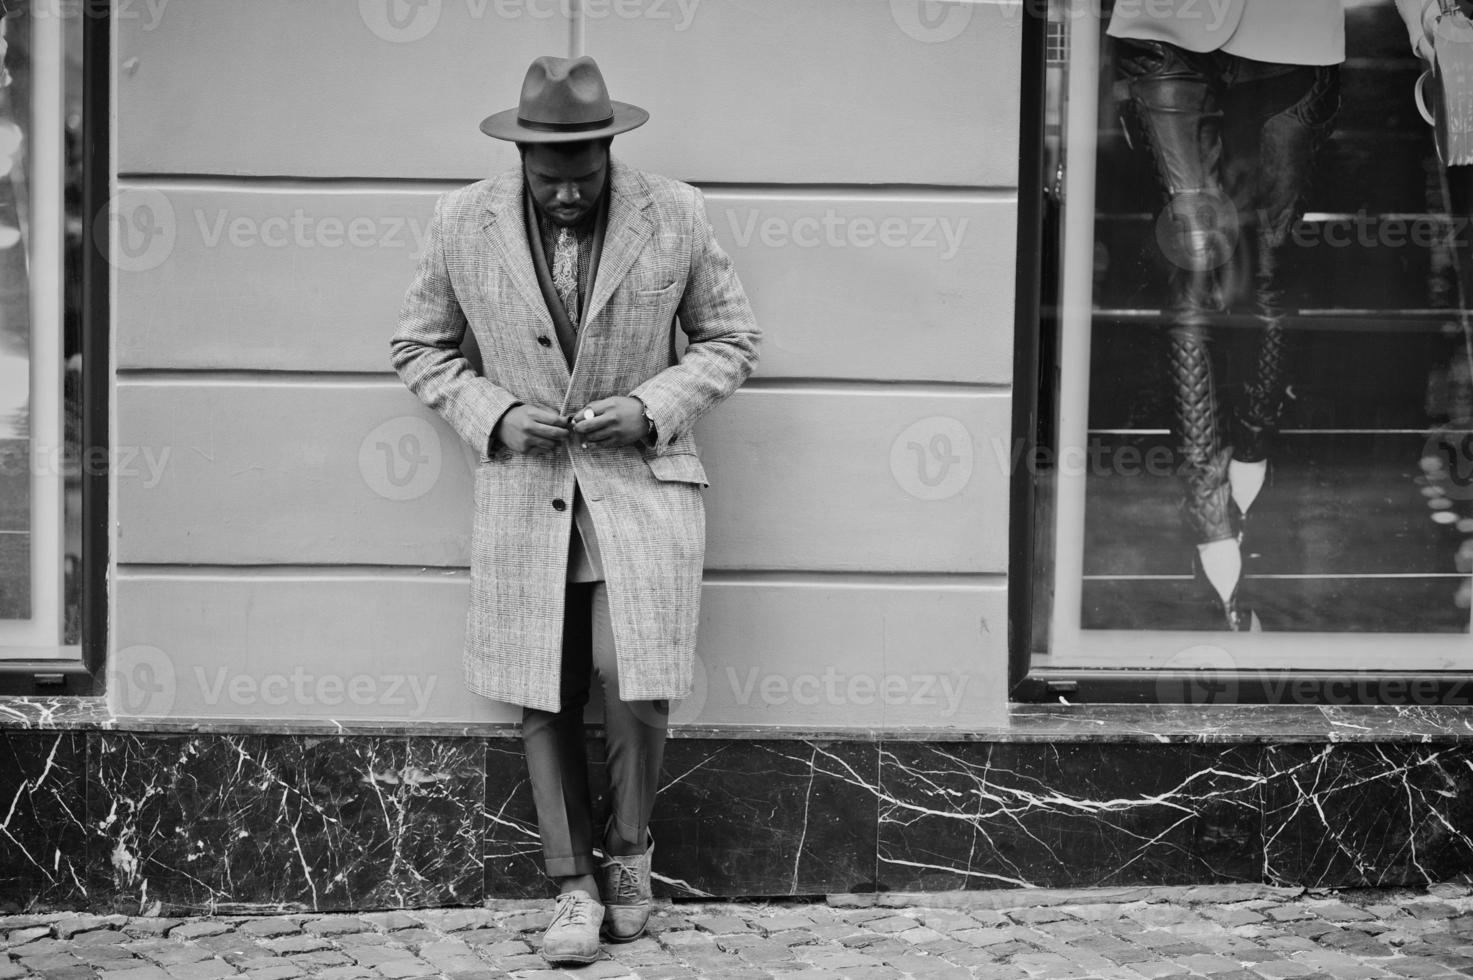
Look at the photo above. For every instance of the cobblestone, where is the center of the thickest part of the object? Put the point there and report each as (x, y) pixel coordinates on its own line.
(1372, 935)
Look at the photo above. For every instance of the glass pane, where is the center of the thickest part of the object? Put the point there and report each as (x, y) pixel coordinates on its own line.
(16, 499)
(40, 347)
(1260, 439)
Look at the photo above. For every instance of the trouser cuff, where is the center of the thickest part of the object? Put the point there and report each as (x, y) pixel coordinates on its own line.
(569, 867)
(629, 832)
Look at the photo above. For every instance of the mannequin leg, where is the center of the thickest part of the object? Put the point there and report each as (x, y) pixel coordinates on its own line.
(1177, 105)
(1288, 142)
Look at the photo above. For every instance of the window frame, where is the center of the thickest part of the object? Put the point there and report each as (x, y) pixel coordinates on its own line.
(85, 677)
(1138, 685)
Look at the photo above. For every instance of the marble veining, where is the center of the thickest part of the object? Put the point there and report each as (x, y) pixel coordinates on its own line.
(43, 833)
(54, 713)
(732, 817)
(1113, 723)
(1368, 814)
(158, 821)
(1009, 815)
(1333, 814)
(216, 822)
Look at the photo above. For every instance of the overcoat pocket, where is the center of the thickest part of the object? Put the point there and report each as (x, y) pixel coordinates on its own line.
(678, 468)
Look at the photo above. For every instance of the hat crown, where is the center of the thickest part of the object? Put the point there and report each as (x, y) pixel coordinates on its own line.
(564, 92)
(563, 100)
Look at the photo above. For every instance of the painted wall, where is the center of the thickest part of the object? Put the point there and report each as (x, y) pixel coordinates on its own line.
(293, 525)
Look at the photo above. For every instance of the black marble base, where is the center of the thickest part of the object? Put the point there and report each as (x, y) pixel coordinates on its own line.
(215, 822)
(43, 843)
(161, 821)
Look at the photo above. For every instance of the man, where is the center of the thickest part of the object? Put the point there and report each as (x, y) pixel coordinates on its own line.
(589, 532)
(1233, 109)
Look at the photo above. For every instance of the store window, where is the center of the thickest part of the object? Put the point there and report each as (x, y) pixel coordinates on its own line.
(1253, 466)
(53, 462)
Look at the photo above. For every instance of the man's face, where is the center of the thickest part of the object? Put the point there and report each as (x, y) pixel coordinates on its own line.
(565, 183)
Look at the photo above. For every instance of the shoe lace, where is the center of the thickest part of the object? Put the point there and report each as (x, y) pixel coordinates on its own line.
(623, 880)
(575, 909)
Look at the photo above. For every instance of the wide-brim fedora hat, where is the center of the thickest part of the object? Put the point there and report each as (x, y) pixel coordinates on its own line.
(563, 99)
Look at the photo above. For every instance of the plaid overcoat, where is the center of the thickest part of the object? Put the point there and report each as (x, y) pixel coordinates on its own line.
(660, 261)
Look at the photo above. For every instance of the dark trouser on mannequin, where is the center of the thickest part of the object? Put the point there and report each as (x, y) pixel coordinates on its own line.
(557, 757)
(1233, 141)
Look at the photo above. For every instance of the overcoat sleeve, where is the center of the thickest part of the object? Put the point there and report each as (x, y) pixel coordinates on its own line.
(425, 349)
(717, 319)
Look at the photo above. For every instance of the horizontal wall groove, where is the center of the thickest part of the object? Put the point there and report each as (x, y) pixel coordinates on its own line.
(238, 183)
(146, 571)
(164, 377)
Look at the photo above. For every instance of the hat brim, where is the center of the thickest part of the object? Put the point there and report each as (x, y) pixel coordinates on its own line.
(506, 126)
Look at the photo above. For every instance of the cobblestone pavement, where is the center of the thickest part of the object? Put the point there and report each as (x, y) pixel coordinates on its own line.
(1277, 936)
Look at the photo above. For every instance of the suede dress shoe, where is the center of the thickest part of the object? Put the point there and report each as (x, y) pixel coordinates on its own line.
(572, 935)
(625, 884)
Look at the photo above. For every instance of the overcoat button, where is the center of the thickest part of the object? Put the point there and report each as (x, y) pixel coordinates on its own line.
(560, 504)
(544, 341)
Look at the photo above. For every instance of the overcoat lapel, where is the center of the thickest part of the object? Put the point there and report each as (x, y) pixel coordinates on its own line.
(506, 234)
(628, 230)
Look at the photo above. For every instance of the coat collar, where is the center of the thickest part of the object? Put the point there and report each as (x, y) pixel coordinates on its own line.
(628, 230)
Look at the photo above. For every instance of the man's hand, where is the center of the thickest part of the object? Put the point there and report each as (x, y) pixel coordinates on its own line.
(531, 429)
(617, 421)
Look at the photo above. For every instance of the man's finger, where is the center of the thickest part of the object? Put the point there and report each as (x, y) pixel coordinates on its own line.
(546, 416)
(597, 424)
(612, 434)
